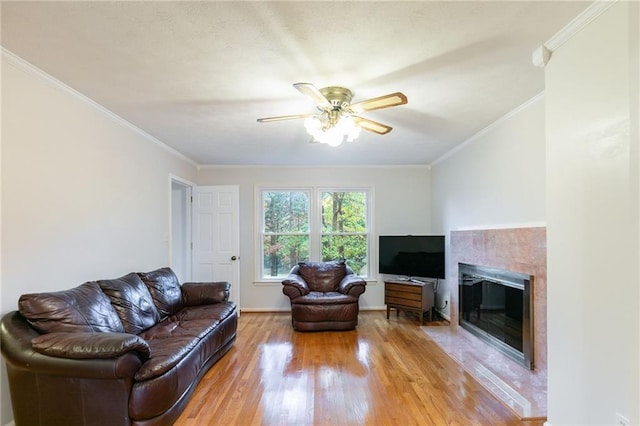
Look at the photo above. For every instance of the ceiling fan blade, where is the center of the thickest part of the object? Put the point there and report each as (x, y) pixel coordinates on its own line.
(312, 92)
(372, 126)
(386, 101)
(283, 117)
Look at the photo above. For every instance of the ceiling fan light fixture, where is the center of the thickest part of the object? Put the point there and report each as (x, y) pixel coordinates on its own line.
(338, 119)
(326, 129)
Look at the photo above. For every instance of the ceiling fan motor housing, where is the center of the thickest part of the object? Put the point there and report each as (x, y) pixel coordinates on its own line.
(339, 97)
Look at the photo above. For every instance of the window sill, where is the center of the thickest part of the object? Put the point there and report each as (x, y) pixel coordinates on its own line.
(268, 283)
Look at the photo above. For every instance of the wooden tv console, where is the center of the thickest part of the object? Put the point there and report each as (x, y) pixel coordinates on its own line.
(409, 296)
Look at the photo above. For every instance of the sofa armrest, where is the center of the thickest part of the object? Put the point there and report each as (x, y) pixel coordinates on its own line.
(295, 286)
(353, 285)
(16, 336)
(205, 293)
(85, 345)
(48, 389)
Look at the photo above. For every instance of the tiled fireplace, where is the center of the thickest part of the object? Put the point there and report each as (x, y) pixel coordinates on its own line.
(522, 251)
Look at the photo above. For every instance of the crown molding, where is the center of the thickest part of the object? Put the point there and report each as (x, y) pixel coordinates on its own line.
(31, 69)
(543, 54)
(487, 129)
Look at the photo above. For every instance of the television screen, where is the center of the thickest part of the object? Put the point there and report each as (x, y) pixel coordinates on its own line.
(412, 255)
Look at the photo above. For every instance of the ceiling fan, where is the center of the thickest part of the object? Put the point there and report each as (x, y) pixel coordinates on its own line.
(337, 118)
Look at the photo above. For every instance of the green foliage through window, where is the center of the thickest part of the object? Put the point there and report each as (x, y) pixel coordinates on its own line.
(344, 228)
(288, 235)
(285, 231)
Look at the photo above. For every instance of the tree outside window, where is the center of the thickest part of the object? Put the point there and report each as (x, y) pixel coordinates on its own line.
(285, 239)
(344, 228)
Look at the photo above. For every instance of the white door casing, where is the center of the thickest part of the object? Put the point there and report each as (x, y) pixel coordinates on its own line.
(216, 236)
(180, 229)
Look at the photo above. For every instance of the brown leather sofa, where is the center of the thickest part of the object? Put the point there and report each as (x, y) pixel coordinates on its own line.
(324, 296)
(126, 351)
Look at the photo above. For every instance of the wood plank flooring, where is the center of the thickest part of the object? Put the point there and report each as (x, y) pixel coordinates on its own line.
(386, 372)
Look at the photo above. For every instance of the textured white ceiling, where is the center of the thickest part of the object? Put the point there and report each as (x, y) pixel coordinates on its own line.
(197, 75)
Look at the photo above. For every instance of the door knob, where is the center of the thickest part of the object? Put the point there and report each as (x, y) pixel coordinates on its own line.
(234, 258)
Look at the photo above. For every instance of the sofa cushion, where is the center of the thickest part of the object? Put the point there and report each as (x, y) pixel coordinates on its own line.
(166, 354)
(165, 290)
(325, 298)
(81, 309)
(151, 398)
(173, 338)
(90, 345)
(132, 301)
(322, 276)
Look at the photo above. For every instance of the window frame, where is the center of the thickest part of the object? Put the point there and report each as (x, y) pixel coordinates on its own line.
(261, 234)
(315, 224)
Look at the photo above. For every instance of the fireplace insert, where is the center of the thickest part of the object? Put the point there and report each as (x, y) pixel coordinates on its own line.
(496, 306)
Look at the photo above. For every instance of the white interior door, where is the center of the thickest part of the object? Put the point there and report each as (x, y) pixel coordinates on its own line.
(216, 236)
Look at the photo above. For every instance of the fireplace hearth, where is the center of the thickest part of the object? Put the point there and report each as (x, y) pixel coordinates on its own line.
(496, 306)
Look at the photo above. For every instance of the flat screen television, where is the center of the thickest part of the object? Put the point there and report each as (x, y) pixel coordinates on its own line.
(412, 255)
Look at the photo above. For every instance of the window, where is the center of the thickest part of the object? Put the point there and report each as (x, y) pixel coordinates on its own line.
(285, 234)
(313, 224)
(344, 228)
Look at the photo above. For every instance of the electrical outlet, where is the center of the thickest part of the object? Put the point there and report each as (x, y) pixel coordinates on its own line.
(622, 420)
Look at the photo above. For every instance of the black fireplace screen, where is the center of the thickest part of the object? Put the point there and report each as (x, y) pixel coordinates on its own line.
(495, 305)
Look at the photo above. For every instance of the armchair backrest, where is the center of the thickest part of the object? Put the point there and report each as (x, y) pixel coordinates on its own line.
(322, 276)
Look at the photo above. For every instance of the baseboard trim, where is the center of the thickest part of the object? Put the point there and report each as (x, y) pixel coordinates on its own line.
(373, 308)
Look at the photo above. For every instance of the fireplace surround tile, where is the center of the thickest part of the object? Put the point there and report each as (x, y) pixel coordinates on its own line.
(516, 249)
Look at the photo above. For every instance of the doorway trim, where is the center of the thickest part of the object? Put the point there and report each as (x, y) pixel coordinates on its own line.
(180, 226)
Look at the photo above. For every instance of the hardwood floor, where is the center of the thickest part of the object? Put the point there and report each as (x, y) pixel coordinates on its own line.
(384, 372)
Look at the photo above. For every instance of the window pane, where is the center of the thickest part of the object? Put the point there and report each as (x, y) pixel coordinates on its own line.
(283, 252)
(352, 248)
(344, 212)
(285, 211)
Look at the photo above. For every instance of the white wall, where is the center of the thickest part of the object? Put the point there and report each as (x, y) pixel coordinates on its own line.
(401, 206)
(592, 213)
(84, 195)
(496, 179)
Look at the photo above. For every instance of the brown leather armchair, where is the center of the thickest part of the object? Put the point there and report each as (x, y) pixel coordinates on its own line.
(324, 296)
